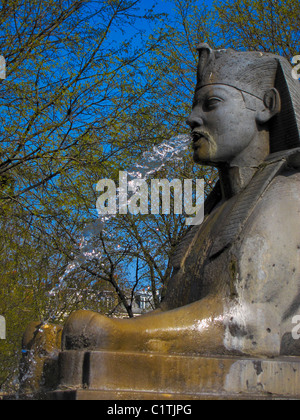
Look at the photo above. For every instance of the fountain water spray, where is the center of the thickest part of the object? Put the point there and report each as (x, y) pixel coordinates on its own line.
(151, 162)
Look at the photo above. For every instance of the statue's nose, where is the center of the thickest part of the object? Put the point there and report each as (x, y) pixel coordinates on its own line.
(194, 120)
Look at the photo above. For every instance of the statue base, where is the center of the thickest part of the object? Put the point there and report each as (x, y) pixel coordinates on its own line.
(101, 375)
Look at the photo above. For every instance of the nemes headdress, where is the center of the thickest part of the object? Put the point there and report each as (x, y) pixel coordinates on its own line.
(255, 73)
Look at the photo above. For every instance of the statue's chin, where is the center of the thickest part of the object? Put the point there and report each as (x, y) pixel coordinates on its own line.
(203, 152)
(203, 160)
(201, 155)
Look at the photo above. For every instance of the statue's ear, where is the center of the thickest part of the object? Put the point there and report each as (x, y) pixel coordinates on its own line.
(272, 106)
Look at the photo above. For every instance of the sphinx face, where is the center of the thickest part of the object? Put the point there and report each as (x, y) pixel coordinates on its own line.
(222, 126)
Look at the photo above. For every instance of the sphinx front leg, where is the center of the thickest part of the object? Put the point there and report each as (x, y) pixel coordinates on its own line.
(197, 328)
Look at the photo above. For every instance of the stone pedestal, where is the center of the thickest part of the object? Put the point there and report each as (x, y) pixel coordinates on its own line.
(141, 376)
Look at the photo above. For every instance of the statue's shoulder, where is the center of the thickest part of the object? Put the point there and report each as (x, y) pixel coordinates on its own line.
(283, 189)
(277, 211)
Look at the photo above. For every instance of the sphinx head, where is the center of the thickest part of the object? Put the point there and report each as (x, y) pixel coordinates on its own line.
(245, 107)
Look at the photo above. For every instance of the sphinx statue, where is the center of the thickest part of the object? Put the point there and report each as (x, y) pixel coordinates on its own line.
(235, 286)
(236, 280)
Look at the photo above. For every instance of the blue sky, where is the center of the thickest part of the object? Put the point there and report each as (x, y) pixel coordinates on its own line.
(161, 6)
(167, 5)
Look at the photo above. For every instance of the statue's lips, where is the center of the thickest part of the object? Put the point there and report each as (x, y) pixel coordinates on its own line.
(198, 139)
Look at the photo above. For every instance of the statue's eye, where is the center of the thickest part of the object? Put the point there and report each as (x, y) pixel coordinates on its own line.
(212, 102)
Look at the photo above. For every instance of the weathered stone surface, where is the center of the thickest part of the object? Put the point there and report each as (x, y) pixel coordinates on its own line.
(114, 375)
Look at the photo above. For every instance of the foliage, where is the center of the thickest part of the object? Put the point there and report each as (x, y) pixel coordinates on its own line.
(90, 87)
(73, 88)
(270, 26)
